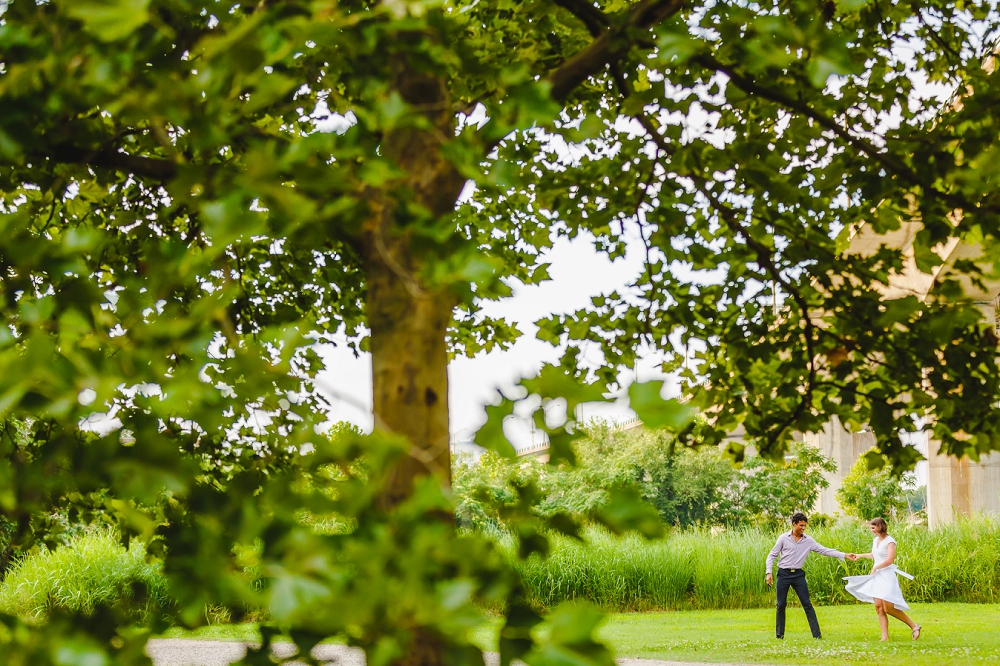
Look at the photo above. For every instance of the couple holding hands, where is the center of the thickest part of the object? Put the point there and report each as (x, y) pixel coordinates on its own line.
(880, 587)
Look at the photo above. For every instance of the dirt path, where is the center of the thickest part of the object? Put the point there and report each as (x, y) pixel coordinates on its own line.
(180, 652)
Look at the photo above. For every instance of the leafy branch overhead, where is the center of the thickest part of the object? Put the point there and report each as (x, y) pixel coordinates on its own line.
(196, 195)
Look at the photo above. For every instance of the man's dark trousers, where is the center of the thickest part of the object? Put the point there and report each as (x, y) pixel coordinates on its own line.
(795, 579)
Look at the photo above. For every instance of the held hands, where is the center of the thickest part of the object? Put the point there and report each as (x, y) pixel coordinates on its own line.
(852, 557)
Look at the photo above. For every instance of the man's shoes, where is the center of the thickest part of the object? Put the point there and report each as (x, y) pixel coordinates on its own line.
(779, 637)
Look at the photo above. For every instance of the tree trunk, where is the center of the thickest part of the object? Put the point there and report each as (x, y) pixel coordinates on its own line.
(408, 318)
(410, 383)
(409, 372)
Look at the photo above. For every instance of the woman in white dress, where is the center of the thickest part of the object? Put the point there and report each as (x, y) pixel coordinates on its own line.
(881, 586)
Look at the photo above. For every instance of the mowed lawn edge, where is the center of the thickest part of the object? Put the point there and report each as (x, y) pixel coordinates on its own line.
(955, 634)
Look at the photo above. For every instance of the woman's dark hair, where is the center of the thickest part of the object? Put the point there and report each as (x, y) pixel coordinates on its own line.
(879, 524)
(799, 517)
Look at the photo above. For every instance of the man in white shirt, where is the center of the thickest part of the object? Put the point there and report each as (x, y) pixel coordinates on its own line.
(791, 551)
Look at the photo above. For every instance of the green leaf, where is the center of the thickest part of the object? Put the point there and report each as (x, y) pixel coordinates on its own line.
(110, 20)
(490, 435)
(654, 411)
(571, 638)
(676, 45)
(554, 381)
(626, 511)
(874, 460)
(561, 447)
(851, 6)
(820, 69)
(590, 128)
(378, 172)
(79, 652)
(270, 89)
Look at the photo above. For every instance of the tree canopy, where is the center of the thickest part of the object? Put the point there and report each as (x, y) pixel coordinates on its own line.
(874, 493)
(687, 487)
(180, 227)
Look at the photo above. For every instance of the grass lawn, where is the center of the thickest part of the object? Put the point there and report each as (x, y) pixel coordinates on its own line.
(954, 634)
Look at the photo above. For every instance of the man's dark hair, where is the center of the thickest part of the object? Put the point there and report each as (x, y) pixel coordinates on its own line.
(799, 517)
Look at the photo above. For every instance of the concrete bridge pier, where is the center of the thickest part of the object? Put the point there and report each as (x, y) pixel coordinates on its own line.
(960, 487)
(844, 448)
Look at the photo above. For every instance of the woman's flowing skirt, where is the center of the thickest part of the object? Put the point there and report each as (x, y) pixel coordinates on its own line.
(883, 584)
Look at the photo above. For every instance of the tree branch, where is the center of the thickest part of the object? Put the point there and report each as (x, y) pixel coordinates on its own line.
(612, 44)
(109, 158)
(764, 258)
(885, 158)
(592, 17)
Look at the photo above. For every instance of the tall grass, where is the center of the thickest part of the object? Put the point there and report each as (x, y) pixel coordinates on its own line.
(687, 570)
(613, 573)
(959, 562)
(92, 569)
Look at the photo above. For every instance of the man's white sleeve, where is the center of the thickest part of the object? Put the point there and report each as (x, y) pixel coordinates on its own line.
(829, 552)
(773, 555)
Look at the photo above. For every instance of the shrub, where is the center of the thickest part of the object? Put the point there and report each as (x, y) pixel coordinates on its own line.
(687, 487)
(770, 492)
(691, 488)
(92, 569)
(870, 493)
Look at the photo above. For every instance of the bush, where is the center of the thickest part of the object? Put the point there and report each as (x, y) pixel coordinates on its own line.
(92, 569)
(871, 493)
(688, 487)
(770, 492)
(692, 487)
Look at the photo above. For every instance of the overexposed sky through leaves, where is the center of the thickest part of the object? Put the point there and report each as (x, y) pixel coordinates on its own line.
(578, 273)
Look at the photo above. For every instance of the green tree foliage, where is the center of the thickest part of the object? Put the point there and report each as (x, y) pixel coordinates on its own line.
(180, 229)
(690, 487)
(773, 491)
(874, 493)
(606, 461)
(687, 487)
(485, 488)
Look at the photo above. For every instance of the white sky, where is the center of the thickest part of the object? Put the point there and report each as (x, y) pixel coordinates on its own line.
(578, 272)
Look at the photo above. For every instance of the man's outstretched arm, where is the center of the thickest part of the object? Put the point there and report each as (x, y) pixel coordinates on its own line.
(829, 552)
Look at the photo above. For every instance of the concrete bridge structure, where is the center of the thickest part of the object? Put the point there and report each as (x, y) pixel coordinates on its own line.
(955, 487)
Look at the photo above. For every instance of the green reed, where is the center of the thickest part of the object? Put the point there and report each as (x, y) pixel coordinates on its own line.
(725, 569)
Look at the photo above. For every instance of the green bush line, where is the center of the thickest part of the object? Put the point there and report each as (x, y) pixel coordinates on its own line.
(725, 570)
(92, 569)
